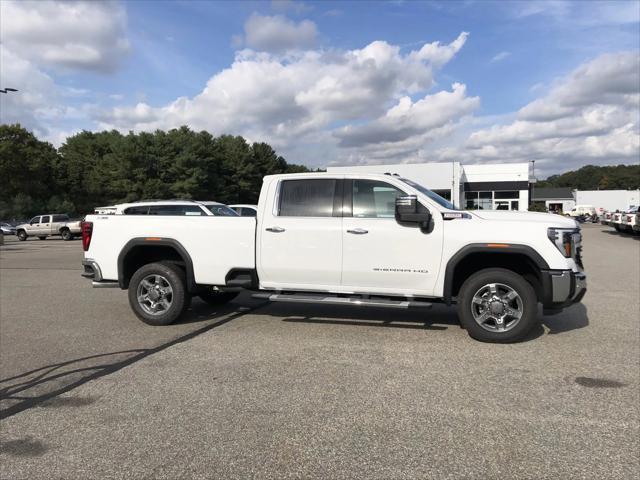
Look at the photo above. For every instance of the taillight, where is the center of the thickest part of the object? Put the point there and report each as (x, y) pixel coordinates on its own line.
(87, 230)
(628, 218)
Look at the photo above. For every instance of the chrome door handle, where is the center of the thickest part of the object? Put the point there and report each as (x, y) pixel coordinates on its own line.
(275, 229)
(358, 231)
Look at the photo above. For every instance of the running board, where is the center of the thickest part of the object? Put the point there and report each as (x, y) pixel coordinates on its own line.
(332, 300)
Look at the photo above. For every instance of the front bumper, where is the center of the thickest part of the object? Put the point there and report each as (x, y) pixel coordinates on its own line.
(561, 288)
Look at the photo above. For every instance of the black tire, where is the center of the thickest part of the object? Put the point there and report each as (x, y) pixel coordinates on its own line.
(528, 299)
(42, 237)
(180, 299)
(215, 298)
(66, 234)
(22, 235)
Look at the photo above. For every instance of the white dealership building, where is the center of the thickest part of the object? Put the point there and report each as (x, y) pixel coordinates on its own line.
(502, 186)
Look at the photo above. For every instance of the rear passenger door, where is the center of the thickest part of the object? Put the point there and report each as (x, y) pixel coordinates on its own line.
(301, 235)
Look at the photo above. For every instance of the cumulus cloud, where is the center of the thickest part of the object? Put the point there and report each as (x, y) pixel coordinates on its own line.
(300, 97)
(75, 35)
(592, 115)
(41, 39)
(278, 34)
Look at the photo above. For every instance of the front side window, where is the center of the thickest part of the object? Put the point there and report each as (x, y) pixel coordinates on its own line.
(307, 198)
(221, 210)
(374, 199)
(247, 212)
(34, 220)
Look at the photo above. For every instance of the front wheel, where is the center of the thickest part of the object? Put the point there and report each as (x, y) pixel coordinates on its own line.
(497, 305)
(22, 235)
(158, 294)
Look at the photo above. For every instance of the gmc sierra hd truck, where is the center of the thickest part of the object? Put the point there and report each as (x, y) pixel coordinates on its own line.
(348, 239)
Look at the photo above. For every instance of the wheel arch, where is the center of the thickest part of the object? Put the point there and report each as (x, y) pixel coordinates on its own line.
(144, 250)
(472, 258)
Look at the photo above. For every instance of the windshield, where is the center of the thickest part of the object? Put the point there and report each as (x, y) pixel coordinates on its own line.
(220, 210)
(433, 196)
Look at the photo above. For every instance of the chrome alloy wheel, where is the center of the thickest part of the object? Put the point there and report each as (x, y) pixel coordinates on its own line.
(497, 307)
(155, 294)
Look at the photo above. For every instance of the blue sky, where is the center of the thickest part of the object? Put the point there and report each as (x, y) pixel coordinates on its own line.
(379, 95)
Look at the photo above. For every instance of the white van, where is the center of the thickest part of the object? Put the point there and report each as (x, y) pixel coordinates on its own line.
(582, 210)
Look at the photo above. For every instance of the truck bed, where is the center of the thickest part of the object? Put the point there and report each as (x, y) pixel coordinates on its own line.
(218, 243)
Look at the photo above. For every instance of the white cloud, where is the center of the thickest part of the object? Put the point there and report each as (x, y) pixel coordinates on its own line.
(500, 56)
(592, 116)
(277, 34)
(304, 96)
(72, 35)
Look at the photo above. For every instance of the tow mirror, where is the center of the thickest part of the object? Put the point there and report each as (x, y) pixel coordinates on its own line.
(409, 210)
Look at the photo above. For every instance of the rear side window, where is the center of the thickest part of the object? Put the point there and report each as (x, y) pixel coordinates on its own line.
(307, 198)
(46, 219)
(136, 211)
(60, 218)
(191, 210)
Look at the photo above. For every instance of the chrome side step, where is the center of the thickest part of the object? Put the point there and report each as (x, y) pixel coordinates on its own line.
(104, 284)
(332, 300)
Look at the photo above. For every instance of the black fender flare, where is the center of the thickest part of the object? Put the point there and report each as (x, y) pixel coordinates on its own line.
(495, 248)
(154, 242)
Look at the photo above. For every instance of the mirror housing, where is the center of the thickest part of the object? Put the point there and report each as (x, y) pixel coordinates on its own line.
(408, 210)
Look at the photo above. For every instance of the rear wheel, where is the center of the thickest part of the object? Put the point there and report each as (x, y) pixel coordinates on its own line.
(157, 293)
(66, 234)
(497, 305)
(216, 297)
(22, 235)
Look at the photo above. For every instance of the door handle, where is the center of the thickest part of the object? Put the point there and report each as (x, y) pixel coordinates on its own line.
(358, 231)
(275, 229)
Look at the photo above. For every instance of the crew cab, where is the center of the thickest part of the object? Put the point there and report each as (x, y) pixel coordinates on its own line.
(51, 224)
(628, 220)
(348, 239)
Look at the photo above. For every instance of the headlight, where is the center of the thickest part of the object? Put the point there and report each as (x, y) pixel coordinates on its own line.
(562, 238)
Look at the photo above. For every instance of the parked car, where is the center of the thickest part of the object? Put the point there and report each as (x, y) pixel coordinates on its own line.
(616, 220)
(51, 224)
(350, 239)
(628, 220)
(605, 219)
(582, 210)
(174, 208)
(7, 229)
(245, 210)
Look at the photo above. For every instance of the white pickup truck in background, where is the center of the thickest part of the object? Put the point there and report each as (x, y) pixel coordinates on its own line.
(358, 239)
(52, 224)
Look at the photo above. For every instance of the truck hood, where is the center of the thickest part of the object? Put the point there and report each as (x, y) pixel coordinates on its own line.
(551, 219)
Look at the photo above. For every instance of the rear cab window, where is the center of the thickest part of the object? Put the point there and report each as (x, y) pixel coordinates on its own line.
(307, 198)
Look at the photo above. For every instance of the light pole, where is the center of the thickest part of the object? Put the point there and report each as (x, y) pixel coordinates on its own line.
(533, 180)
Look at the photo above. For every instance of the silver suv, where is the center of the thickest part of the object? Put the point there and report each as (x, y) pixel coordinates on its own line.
(43, 226)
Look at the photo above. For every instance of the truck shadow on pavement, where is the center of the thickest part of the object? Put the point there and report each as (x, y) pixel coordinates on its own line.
(439, 317)
(41, 386)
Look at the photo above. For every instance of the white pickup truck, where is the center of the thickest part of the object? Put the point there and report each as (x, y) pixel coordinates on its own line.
(52, 224)
(356, 239)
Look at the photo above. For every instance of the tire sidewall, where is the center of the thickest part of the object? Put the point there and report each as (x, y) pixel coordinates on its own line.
(22, 235)
(527, 294)
(176, 278)
(66, 235)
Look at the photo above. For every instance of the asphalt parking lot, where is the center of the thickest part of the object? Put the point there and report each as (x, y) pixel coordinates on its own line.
(294, 391)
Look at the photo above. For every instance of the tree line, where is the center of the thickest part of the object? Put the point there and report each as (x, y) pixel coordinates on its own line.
(103, 168)
(591, 177)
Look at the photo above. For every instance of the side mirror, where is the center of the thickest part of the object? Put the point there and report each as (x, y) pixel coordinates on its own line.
(408, 210)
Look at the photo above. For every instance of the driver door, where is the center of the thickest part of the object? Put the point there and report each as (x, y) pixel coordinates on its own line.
(379, 254)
